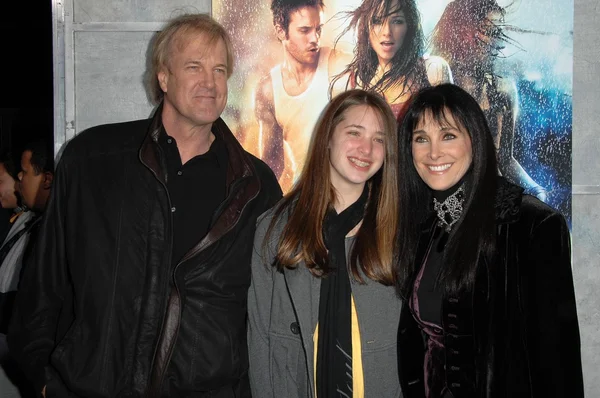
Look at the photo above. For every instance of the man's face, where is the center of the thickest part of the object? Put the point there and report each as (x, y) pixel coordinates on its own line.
(194, 81)
(31, 183)
(8, 199)
(302, 39)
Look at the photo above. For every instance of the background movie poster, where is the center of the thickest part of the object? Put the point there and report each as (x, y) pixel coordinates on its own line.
(513, 56)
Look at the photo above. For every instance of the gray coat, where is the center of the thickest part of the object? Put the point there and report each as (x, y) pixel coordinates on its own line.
(283, 312)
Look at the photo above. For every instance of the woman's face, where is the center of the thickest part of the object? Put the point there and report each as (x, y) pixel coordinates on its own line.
(387, 35)
(356, 149)
(442, 153)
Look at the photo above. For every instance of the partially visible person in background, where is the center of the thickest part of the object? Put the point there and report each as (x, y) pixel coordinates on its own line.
(12, 257)
(13, 245)
(388, 57)
(36, 175)
(484, 269)
(470, 36)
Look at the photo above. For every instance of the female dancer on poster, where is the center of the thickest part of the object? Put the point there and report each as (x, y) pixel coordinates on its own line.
(322, 293)
(469, 36)
(388, 57)
(490, 304)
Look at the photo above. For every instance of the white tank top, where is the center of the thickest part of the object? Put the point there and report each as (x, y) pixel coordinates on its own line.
(297, 115)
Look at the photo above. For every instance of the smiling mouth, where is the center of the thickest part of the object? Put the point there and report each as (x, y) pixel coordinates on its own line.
(441, 167)
(359, 163)
(387, 43)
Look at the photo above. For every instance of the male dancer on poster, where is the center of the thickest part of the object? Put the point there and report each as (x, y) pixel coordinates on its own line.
(290, 98)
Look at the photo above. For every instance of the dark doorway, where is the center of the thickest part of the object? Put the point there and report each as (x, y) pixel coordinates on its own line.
(26, 103)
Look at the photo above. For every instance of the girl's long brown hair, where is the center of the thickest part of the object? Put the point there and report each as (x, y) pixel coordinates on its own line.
(306, 204)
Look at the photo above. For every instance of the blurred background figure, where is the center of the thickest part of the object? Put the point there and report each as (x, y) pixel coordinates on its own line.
(470, 36)
(36, 175)
(13, 254)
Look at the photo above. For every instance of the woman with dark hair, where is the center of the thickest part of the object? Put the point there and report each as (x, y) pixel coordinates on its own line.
(388, 57)
(322, 290)
(470, 36)
(489, 299)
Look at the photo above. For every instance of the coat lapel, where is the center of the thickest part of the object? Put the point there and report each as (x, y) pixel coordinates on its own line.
(299, 283)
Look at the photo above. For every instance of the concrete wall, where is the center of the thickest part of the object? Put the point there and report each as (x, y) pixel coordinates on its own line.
(586, 186)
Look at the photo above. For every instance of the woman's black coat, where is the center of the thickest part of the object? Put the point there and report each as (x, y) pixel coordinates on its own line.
(516, 334)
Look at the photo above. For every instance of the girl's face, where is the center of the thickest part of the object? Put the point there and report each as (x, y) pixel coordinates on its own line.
(356, 149)
(442, 152)
(387, 34)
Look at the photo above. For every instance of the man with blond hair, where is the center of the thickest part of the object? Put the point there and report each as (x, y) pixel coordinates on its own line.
(139, 282)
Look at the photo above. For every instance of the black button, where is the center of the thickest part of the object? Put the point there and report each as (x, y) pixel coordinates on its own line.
(295, 328)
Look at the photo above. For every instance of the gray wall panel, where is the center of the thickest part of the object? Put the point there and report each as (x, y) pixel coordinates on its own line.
(586, 172)
(133, 10)
(586, 258)
(109, 68)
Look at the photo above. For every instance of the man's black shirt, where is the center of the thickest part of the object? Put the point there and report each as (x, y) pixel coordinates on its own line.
(196, 189)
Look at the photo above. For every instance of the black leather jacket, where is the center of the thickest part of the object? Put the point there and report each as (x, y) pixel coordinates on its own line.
(102, 311)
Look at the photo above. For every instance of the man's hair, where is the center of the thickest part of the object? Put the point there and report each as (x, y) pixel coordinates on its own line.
(176, 32)
(8, 161)
(41, 157)
(283, 9)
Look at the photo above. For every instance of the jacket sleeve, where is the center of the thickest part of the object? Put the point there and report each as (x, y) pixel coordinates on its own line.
(553, 330)
(43, 289)
(259, 314)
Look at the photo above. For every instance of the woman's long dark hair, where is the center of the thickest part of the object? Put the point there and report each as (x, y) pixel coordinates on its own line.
(460, 31)
(307, 203)
(473, 236)
(405, 68)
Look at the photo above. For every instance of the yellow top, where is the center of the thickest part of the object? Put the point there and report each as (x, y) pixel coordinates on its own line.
(358, 382)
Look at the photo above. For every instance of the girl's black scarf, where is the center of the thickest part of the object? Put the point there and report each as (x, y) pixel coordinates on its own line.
(334, 351)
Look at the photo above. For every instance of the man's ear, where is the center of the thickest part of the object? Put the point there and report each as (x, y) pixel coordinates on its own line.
(163, 79)
(48, 178)
(280, 32)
